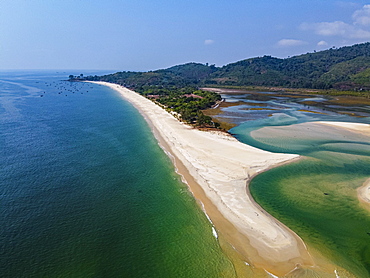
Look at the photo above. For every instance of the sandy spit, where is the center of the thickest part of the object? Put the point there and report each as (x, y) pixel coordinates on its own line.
(354, 127)
(221, 167)
(363, 192)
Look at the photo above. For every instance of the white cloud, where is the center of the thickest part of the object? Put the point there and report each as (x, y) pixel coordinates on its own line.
(362, 17)
(337, 28)
(358, 29)
(290, 42)
(327, 28)
(322, 43)
(208, 42)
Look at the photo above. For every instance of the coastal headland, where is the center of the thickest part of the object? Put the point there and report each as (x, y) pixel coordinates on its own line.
(218, 169)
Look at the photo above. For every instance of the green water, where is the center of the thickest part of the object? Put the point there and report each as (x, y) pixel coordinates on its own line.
(316, 197)
(86, 191)
(317, 201)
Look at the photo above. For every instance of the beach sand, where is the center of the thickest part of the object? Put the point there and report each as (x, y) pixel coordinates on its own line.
(342, 131)
(363, 129)
(363, 192)
(217, 168)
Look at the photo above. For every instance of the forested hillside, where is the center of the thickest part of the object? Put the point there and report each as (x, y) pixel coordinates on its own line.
(346, 68)
(342, 68)
(191, 74)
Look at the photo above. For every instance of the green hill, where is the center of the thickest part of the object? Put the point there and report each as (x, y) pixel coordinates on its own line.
(191, 74)
(345, 68)
(334, 68)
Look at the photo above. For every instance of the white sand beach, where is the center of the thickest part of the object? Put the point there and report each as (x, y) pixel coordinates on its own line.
(222, 166)
(355, 127)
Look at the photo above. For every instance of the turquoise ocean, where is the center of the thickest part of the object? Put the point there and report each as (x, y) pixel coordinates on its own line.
(86, 191)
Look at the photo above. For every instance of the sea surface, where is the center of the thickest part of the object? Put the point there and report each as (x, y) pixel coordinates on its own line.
(86, 191)
(316, 197)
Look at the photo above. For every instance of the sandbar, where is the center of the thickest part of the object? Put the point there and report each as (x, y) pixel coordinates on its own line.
(363, 192)
(222, 167)
(345, 131)
(354, 127)
(323, 130)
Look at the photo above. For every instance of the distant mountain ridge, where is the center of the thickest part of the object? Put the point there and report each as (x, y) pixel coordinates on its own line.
(345, 68)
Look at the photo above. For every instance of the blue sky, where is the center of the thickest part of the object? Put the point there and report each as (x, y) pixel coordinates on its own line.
(143, 35)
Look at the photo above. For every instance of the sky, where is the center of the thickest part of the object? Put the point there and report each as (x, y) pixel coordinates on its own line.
(143, 35)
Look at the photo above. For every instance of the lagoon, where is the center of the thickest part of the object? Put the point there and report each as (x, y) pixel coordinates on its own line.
(316, 197)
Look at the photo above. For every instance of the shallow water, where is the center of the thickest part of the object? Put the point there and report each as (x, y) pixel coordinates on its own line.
(316, 197)
(267, 108)
(87, 192)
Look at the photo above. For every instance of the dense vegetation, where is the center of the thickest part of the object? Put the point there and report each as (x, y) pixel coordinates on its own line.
(343, 69)
(184, 103)
(174, 89)
(346, 68)
(191, 74)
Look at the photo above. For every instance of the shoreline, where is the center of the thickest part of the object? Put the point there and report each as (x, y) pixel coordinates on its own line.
(363, 192)
(217, 168)
(345, 129)
(354, 127)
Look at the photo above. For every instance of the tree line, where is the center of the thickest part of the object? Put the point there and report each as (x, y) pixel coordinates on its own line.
(176, 88)
(345, 68)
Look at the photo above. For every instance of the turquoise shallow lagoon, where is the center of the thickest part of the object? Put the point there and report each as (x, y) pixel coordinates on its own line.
(87, 192)
(316, 197)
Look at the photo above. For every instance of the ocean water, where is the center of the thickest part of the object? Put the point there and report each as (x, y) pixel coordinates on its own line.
(316, 196)
(85, 190)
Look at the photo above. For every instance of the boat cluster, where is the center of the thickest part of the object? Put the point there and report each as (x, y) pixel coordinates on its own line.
(66, 88)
